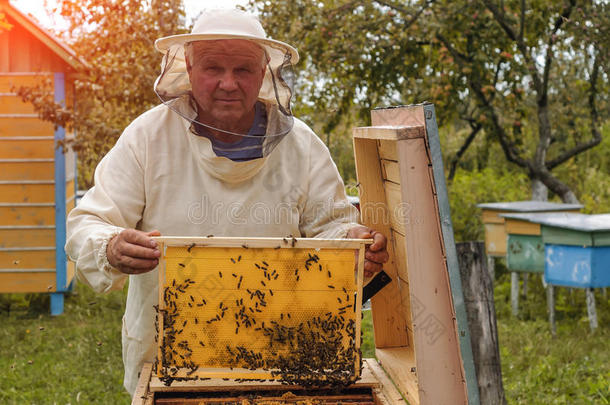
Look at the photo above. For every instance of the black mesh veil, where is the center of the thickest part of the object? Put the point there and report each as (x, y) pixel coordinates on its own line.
(174, 89)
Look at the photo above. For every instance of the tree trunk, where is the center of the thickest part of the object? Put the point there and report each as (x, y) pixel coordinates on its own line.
(540, 192)
(480, 309)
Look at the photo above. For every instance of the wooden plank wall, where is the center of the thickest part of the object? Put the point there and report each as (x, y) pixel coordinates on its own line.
(20, 51)
(27, 191)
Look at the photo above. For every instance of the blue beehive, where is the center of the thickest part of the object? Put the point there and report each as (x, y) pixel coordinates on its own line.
(577, 250)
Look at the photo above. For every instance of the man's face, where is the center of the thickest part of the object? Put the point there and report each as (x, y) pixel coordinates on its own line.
(226, 76)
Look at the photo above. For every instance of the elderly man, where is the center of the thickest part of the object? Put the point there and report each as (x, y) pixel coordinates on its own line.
(222, 155)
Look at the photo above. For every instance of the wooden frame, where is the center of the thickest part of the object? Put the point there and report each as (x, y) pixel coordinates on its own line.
(374, 387)
(421, 331)
(192, 250)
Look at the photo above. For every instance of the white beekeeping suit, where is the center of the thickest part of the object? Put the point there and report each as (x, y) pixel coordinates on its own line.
(162, 175)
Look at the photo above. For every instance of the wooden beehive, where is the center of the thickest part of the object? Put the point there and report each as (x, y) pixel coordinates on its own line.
(524, 246)
(576, 247)
(421, 331)
(259, 309)
(37, 180)
(495, 232)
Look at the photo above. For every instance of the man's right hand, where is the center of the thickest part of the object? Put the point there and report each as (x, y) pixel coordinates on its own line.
(133, 251)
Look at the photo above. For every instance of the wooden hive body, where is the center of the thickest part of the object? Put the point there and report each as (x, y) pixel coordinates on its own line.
(421, 331)
(37, 180)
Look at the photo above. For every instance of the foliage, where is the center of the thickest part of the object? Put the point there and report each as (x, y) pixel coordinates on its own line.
(470, 188)
(535, 79)
(115, 39)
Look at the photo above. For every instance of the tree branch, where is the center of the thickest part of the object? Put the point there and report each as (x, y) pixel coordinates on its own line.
(522, 22)
(499, 17)
(403, 10)
(510, 150)
(542, 96)
(475, 128)
(596, 134)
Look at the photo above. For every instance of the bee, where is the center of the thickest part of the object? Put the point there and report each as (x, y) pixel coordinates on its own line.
(244, 246)
(329, 275)
(331, 286)
(190, 247)
(239, 258)
(233, 260)
(265, 263)
(209, 236)
(181, 265)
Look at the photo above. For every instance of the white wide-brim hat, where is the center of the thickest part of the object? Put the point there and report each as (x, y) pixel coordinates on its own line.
(230, 24)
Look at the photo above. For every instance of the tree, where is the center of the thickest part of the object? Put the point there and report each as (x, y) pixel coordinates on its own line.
(116, 39)
(533, 75)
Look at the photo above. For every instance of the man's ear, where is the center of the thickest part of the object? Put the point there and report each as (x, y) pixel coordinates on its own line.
(188, 64)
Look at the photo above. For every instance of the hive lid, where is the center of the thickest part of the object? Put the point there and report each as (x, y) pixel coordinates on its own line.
(567, 220)
(529, 206)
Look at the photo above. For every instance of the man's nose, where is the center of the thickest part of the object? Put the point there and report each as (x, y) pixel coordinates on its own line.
(228, 82)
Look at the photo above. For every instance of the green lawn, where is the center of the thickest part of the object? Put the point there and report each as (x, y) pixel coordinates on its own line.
(76, 358)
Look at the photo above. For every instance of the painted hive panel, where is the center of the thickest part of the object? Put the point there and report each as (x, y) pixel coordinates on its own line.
(259, 313)
(525, 253)
(577, 266)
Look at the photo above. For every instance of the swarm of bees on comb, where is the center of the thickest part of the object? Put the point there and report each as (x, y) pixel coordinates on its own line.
(259, 314)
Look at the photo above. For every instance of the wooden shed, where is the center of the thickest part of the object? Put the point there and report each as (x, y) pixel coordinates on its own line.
(37, 180)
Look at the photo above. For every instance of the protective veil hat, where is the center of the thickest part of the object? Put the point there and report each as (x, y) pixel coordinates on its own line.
(174, 88)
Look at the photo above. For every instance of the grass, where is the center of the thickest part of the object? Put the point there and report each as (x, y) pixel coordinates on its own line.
(69, 359)
(76, 358)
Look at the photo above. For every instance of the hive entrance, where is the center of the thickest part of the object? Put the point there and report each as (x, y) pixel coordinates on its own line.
(257, 313)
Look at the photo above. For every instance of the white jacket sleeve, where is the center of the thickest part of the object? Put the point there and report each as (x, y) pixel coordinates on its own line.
(327, 212)
(115, 203)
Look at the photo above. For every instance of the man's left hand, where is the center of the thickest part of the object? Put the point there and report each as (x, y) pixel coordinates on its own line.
(376, 253)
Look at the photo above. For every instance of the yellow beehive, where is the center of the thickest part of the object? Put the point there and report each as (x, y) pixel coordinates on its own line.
(259, 308)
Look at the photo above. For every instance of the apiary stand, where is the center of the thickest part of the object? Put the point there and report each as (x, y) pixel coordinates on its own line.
(500, 243)
(421, 330)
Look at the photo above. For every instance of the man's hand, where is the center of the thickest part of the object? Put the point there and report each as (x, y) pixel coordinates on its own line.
(376, 253)
(133, 251)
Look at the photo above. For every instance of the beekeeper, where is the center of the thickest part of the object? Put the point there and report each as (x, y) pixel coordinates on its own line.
(222, 155)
